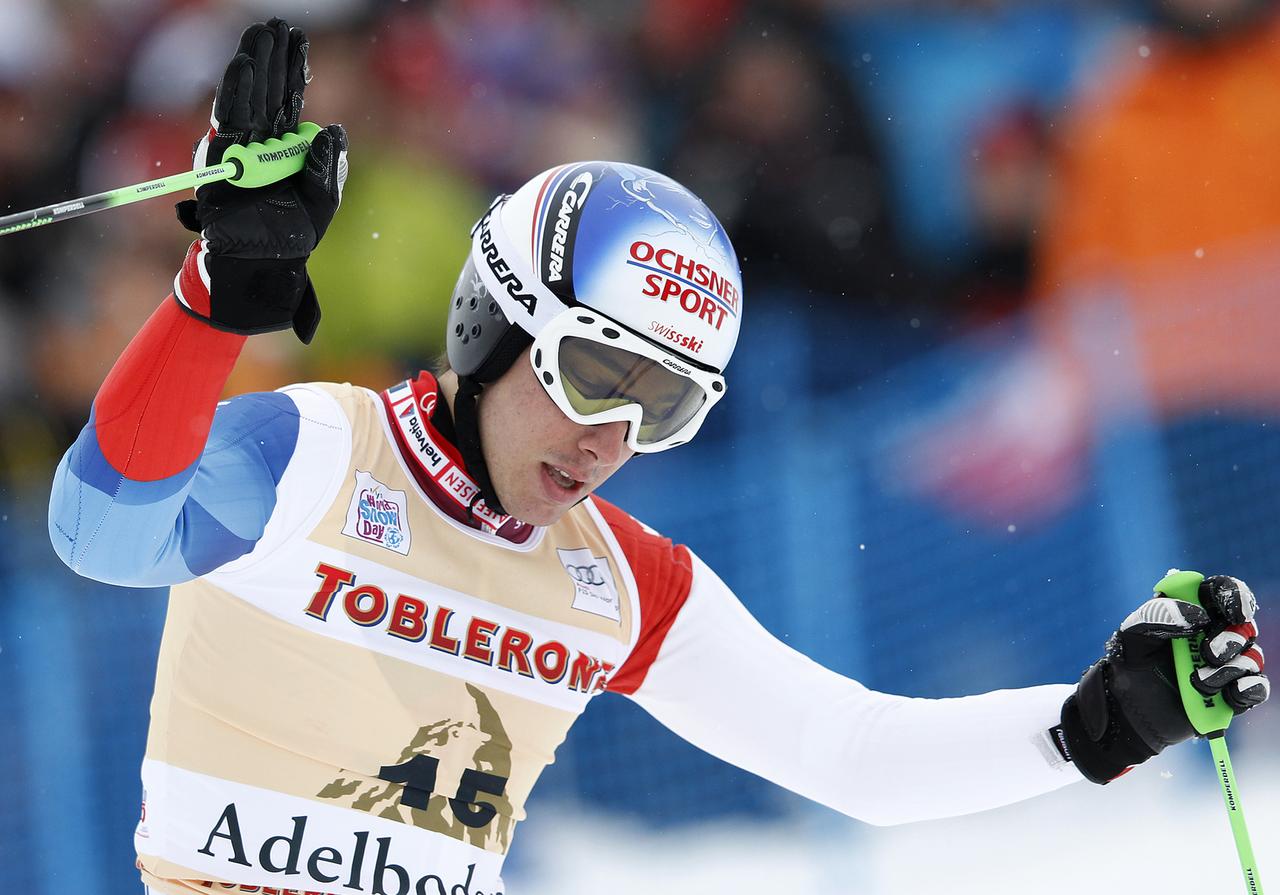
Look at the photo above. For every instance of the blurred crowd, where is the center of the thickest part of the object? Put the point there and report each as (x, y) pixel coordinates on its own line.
(906, 172)
(1011, 270)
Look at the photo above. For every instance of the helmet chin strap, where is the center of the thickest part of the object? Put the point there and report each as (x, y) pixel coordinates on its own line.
(466, 421)
(466, 412)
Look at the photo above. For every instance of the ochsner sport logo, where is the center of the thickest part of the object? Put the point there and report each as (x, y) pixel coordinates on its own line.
(572, 200)
(698, 288)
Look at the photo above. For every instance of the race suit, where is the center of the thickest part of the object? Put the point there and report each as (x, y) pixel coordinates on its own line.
(364, 670)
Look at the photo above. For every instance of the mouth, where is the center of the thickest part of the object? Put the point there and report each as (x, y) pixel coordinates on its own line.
(560, 484)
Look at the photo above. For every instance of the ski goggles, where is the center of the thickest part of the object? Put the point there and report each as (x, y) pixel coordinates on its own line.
(596, 371)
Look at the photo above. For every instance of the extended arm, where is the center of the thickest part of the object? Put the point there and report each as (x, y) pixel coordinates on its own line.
(725, 684)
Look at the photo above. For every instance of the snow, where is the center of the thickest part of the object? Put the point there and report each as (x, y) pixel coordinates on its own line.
(1161, 828)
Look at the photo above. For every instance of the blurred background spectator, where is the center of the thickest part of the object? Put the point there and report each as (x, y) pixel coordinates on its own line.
(778, 141)
(1163, 234)
(1166, 207)
(1011, 270)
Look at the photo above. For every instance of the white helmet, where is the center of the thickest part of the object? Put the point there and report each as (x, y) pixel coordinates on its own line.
(625, 284)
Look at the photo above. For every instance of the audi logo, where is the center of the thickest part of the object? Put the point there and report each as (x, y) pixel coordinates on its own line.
(585, 574)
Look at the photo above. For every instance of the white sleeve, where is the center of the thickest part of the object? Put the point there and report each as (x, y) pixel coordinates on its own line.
(723, 683)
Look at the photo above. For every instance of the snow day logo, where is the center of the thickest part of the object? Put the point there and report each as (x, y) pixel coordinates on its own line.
(378, 515)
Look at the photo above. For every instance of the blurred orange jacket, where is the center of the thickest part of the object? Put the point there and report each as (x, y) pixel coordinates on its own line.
(1166, 224)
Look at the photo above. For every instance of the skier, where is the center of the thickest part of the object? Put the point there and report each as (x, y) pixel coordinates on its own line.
(388, 608)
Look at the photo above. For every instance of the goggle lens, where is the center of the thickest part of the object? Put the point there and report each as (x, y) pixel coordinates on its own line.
(599, 377)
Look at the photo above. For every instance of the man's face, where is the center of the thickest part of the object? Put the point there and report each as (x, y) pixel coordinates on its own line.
(540, 461)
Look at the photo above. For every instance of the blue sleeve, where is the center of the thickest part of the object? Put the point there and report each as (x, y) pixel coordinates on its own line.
(150, 533)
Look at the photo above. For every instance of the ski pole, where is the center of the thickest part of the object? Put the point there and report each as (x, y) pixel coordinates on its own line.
(1210, 716)
(254, 165)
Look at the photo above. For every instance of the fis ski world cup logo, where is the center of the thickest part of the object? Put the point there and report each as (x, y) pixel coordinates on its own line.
(378, 515)
(593, 588)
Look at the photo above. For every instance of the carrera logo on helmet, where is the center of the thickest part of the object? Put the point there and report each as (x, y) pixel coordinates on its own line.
(498, 265)
(698, 288)
(573, 198)
(668, 362)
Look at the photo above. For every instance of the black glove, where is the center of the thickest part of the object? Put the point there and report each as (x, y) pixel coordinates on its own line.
(248, 274)
(1127, 707)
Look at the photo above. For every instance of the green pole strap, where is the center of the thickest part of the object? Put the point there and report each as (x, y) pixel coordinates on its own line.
(1210, 716)
(254, 165)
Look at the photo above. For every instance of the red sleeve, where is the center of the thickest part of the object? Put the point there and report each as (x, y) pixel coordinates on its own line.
(664, 574)
(153, 412)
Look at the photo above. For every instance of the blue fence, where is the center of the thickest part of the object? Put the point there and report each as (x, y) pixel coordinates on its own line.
(796, 495)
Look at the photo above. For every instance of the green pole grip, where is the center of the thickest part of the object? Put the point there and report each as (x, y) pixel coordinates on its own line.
(1208, 714)
(260, 164)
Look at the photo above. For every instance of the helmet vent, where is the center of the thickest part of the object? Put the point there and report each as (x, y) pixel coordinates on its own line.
(493, 309)
(610, 332)
(458, 328)
(585, 319)
(718, 386)
(473, 303)
(458, 302)
(547, 377)
(537, 358)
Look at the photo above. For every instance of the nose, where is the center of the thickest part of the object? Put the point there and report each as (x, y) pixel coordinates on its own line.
(607, 442)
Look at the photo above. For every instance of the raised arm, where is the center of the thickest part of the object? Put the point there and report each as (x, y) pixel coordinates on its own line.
(159, 488)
